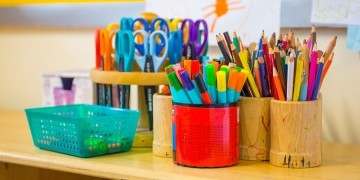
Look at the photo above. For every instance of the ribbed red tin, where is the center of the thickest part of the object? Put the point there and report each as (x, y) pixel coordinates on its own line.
(206, 135)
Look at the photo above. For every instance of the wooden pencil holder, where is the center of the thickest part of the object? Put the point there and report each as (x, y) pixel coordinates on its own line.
(254, 128)
(295, 133)
(143, 137)
(162, 143)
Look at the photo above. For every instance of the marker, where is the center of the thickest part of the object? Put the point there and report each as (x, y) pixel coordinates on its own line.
(205, 96)
(187, 65)
(211, 82)
(225, 68)
(189, 87)
(240, 79)
(231, 84)
(221, 86)
(169, 69)
(179, 90)
(195, 68)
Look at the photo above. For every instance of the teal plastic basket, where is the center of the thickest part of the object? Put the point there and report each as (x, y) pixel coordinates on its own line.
(83, 130)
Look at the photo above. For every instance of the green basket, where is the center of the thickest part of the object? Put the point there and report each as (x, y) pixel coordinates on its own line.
(83, 130)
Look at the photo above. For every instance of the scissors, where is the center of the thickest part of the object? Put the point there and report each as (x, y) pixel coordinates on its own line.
(124, 55)
(151, 62)
(174, 23)
(125, 23)
(194, 34)
(175, 46)
(159, 23)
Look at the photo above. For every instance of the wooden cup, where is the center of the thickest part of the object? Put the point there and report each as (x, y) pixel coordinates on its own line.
(295, 133)
(162, 143)
(254, 128)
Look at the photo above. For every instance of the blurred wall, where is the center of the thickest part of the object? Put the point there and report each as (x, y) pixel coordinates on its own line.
(25, 52)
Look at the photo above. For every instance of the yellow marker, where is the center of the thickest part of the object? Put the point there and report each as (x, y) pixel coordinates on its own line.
(221, 86)
(298, 78)
(243, 58)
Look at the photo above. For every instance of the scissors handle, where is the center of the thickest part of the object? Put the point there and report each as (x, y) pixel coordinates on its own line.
(124, 45)
(141, 21)
(163, 25)
(125, 23)
(175, 46)
(142, 48)
(199, 47)
(158, 60)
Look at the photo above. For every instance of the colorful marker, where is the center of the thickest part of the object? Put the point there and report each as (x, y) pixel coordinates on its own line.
(179, 90)
(221, 86)
(189, 87)
(205, 96)
(231, 84)
(211, 82)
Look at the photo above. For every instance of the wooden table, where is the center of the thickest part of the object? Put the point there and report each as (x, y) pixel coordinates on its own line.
(340, 161)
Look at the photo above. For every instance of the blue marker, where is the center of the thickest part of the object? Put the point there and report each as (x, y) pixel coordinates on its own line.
(189, 87)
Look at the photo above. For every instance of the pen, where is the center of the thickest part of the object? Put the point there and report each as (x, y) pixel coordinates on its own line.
(189, 87)
(205, 96)
(221, 86)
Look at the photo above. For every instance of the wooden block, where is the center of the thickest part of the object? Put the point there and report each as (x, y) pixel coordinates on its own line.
(295, 133)
(162, 144)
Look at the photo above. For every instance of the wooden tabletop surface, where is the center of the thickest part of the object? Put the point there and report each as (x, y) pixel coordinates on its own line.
(340, 161)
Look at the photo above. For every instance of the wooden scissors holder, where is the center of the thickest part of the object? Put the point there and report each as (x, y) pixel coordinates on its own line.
(143, 137)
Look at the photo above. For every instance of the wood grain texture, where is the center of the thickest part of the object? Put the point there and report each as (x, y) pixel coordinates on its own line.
(162, 144)
(339, 161)
(254, 128)
(128, 78)
(295, 133)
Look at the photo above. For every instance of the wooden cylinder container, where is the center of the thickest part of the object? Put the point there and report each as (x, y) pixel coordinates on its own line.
(162, 143)
(295, 133)
(254, 128)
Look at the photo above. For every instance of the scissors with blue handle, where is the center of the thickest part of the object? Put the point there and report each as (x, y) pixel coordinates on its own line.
(124, 55)
(175, 46)
(194, 33)
(149, 28)
(151, 62)
(149, 47)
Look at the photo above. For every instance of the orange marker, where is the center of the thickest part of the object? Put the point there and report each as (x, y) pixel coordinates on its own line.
(240, 79)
